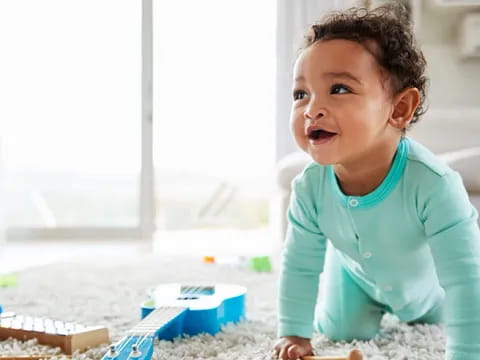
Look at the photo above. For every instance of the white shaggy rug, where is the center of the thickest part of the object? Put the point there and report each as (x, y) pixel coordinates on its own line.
(108, 291)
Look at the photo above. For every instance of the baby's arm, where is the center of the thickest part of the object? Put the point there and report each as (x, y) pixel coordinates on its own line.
(302, 263)
(451, 224)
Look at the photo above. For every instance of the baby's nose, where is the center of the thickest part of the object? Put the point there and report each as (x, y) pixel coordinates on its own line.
(315, 111)
(314, 115)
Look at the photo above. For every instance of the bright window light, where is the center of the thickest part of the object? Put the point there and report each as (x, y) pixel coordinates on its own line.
(214, 86)
(214, 92)
(70, 111)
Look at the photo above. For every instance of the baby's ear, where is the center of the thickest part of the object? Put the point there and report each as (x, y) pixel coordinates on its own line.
(404, 105)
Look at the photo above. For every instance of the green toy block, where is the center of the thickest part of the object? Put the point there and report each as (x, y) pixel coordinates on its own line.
(260, 264)
(8, 280)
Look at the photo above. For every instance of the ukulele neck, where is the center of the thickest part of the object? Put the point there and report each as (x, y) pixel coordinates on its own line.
(156, 320)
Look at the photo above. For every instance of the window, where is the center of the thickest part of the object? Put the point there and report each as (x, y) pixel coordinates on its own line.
(71, 112)
(214, 71)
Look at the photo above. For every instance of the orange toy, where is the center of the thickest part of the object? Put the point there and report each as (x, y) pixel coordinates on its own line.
(209, 259)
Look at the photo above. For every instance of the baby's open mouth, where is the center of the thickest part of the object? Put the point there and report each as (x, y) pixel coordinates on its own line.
(320, 134)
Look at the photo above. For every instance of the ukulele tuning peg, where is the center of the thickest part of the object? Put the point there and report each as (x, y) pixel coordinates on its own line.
(135, 352)
(112, 351)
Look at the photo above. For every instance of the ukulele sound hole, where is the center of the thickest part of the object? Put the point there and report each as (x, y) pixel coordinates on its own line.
(187, 297)
(198, 290)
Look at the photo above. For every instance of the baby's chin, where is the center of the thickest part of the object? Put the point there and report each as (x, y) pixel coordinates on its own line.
(324, 163)
(322, 159)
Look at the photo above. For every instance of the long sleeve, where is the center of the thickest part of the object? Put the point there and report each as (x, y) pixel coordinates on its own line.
(302, 263)
(451, 226)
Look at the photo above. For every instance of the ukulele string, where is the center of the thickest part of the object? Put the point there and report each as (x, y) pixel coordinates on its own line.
(151, 333)
(121, 344)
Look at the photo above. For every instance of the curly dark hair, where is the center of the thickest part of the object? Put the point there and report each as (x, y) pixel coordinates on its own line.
(388, 26)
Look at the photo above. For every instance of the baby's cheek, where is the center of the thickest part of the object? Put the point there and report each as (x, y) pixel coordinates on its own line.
(295, 121)
(296, 126)
(299, 134)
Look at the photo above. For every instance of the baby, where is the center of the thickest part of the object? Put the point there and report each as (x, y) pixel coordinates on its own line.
(387, 223)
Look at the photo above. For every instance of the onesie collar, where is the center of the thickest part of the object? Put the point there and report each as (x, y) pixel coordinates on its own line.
(383, 190)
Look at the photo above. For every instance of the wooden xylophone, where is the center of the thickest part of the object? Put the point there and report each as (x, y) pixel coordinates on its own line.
(68, 336)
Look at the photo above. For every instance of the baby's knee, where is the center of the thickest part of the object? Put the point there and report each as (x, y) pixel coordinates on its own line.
(338, 331)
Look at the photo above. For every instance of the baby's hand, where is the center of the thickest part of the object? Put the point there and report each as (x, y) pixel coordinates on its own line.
(293, 347)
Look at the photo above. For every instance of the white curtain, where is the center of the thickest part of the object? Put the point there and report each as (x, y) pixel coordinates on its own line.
(293, 17)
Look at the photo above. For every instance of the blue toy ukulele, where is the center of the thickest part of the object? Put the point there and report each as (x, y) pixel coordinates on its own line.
(174, 310)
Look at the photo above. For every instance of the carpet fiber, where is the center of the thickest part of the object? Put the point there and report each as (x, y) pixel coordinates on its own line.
(108, 291)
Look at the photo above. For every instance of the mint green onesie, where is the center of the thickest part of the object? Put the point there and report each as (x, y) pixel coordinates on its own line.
(411, 247)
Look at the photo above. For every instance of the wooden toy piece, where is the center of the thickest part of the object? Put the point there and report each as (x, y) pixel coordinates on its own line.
(353, 355)
(68, 336)
(32, 357)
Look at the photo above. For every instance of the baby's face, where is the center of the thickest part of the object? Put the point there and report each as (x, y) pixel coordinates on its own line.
(341, 102)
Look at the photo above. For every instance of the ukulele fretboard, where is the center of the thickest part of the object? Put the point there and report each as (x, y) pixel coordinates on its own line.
(156, 319)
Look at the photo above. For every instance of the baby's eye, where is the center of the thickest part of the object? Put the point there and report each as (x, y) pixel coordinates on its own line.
(339, 89)
(299, 94)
